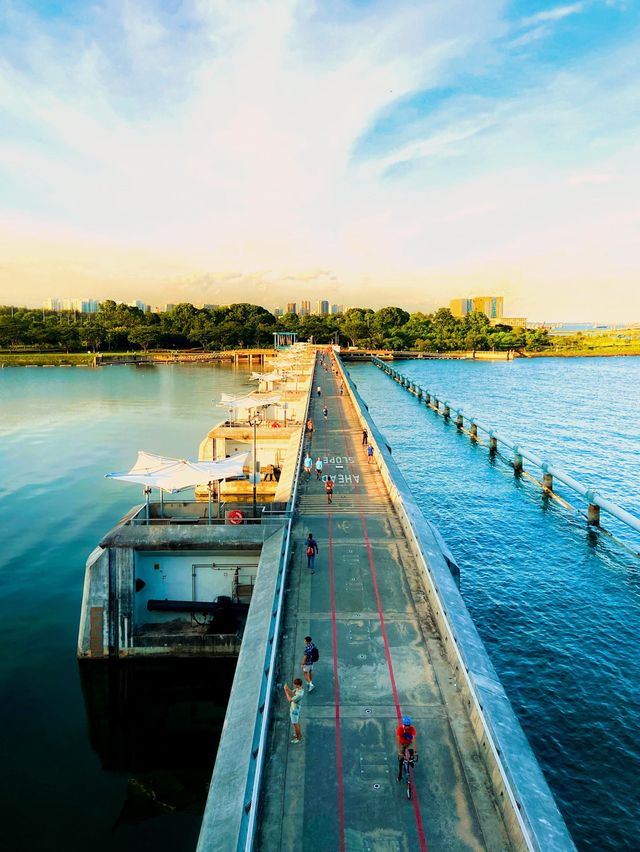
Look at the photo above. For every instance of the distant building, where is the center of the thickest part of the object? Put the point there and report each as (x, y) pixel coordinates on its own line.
(305, 308)
(514, 322)
(292, 308)
(337, 309)
(490, 306)
(461, 307)
(89, 306)
(52, 305)
(322, 308)
(278, 312)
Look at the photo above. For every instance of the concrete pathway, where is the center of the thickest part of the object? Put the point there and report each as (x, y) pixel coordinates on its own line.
(380, 658)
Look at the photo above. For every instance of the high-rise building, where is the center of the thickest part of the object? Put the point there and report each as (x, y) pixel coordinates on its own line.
(89, 306)
(278, 312)
(305, 308)
(337, 309)
(461, 307)
(52, 305)
(491, 306)
(322, 308)
(292, 308)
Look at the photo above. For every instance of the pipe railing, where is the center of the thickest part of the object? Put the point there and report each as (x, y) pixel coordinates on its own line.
(550, 472)
(252, 790)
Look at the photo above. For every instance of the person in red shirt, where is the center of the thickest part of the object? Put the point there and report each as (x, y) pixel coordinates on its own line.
(406, 736)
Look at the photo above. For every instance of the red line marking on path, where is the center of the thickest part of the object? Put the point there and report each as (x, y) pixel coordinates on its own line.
(336, 682)
(383, 628)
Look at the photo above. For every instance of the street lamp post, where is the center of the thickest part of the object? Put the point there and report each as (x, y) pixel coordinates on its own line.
(255, 419)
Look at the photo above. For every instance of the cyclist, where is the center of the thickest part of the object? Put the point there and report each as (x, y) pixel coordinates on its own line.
(406, 736)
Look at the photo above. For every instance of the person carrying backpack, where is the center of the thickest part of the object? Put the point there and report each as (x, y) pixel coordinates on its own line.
(312, 549)
(310, 656)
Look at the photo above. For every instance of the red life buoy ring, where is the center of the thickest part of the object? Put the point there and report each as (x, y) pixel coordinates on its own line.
(235, 516)
(275, 425)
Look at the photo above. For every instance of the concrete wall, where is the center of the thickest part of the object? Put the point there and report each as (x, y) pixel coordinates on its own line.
(229, 797)
(521, 791)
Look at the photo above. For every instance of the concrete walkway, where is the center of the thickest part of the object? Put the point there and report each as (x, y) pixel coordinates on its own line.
(380, 658)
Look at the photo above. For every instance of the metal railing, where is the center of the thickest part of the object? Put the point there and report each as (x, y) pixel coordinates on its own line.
(595, 501)
(252, 790)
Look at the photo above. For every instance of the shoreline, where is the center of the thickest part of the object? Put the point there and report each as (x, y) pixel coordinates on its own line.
(85, 360)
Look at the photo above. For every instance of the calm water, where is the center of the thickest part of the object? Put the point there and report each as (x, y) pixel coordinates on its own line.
(153, 730)
(95, 762)
(557, 606)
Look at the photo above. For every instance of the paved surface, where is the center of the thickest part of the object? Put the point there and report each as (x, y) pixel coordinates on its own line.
(380, 658)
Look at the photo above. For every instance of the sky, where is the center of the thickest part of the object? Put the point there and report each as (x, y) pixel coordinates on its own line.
(369, 152)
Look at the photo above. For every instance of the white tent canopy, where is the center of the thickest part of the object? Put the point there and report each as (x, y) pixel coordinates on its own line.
(275, 376)
(171, 474)
(250, 400)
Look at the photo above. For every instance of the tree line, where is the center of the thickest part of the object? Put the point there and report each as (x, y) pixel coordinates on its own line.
(119, 327)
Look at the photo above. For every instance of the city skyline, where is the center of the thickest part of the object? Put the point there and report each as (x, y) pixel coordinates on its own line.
(360, 153)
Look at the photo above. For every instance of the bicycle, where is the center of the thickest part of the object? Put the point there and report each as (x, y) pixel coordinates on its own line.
(408, 761)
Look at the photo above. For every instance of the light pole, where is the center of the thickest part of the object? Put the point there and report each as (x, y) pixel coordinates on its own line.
(255, 419)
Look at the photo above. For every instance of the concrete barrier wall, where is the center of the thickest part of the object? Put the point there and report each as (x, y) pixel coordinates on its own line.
(229, 819)
(230, 799)
(521, 791)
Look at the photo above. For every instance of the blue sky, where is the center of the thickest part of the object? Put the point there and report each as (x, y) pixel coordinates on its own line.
(366, 152)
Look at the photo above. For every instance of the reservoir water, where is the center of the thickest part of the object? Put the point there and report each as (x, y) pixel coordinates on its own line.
(120, 759)
(101, 765)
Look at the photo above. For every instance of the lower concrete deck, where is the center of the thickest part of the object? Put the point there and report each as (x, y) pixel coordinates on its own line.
(380, 658)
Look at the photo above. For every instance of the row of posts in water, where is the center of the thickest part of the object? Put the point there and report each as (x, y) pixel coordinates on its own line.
(595, 501)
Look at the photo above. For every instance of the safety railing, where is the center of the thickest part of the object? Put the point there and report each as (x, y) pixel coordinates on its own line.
(434, 400)
(252, 790)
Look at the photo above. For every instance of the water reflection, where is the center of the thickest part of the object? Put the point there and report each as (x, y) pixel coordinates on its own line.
(158, 721)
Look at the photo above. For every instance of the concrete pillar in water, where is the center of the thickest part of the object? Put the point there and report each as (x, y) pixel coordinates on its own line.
(436, 403)
(474, 432)
(446, 411)
(517, 461)
(547, 481)
(427, 397)
(593, 510)
(493, 444)
(459, 420)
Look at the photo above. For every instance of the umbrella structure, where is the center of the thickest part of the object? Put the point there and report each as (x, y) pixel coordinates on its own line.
(169, 474)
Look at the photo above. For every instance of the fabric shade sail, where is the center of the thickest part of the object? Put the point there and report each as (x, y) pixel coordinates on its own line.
(250, 400)
(275, 376)
(171, 474)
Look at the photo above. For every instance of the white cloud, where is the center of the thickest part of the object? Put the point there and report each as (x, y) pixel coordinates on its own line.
(211, 152)
(557, 13)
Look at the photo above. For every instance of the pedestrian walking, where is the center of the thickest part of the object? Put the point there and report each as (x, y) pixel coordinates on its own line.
(312, 549)
(325, 411)
(319, 390)
(319, 467)
(365, 437)
(294, 697)
(310, 426)
(329, 489)
(341, 388)
(309, 657)
(308, 461)
(369, 454)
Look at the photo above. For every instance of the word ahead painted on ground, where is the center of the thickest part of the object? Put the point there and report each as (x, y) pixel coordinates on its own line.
(343, 478)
